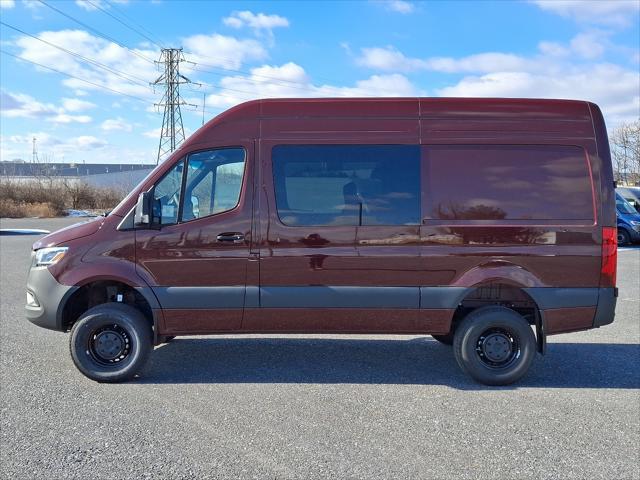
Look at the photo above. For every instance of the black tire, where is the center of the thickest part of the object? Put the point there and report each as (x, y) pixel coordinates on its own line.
(446, 339)
(494, 345)
(111, 342)
(623, 237)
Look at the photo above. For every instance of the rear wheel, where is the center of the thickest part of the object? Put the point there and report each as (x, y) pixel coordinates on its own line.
(111, 342)
(494, 345)
(623, 237)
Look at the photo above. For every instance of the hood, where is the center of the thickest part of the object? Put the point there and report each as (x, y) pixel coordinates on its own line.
(629, 216)
(72, 232)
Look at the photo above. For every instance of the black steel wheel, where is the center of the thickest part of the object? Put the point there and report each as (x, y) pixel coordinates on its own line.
(623, 237)
(111, 342)
(494, 345)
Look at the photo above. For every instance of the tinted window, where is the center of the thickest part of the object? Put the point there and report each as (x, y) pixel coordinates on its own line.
(214, 180)
(488, 182)
(347, 184)
(166, 195)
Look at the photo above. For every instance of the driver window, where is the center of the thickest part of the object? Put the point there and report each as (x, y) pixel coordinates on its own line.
(214, 181)
(166, 195)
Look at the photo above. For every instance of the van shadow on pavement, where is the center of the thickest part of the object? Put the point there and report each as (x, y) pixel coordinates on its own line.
(419, 361)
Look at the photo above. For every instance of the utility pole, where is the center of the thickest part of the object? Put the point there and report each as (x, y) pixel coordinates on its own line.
(34, 155)
(172, 132)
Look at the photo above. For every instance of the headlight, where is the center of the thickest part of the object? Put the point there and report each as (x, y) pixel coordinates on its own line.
(50, 256)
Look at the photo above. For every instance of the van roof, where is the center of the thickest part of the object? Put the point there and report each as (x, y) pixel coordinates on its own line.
(572, 118)
(402, 106)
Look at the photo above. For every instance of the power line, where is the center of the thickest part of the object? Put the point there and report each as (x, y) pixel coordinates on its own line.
(97, 32)
(141, 27)
(131, 78)
(77, 78)
(123, 23)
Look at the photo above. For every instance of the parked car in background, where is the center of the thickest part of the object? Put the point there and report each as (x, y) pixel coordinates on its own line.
(631, 195)
(486, 223)
(628, 221)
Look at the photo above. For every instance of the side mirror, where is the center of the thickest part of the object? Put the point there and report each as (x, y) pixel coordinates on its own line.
(143, 214)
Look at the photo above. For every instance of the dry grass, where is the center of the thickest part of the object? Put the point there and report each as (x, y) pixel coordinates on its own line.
(11, 209)
(50, 197)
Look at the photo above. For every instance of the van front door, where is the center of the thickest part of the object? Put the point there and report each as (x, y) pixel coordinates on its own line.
(196, 262)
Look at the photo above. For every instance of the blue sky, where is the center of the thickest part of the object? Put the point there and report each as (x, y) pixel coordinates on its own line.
(581, 49)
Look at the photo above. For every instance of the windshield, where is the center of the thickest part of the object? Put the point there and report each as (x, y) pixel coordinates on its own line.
(623, 206)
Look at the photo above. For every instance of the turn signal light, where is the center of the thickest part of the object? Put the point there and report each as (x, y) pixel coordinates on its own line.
(609, 257)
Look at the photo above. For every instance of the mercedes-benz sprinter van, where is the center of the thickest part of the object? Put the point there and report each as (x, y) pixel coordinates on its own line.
(486, 223)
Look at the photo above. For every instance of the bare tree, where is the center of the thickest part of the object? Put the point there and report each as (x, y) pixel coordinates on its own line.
(625, 152)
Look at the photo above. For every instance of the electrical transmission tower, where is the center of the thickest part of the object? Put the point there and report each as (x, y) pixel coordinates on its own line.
(172, 133)
(34, 153)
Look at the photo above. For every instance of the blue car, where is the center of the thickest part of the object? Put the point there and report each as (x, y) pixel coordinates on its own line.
(628, 222)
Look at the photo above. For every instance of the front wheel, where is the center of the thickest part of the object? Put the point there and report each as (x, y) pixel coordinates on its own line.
(111, 342)
(494, 345)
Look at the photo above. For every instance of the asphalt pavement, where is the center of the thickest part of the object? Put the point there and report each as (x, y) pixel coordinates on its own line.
(311, 406)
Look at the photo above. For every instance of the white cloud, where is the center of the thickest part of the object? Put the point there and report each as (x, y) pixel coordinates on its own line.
(93, 5)
(400, 6)
(116, 124)
(89, 6)
(76, 105)
(32, 4)
(55, 145)
(221, 50)
(553, 49)
(109, 54)
(391, 59)
(66, 118)
(589, 45)
(614, 88)
(7, 4)
(291, 80)
(19, 105)
(258, 22)
(155, 133)
(608, 12)
(88, 142)
(572, 70)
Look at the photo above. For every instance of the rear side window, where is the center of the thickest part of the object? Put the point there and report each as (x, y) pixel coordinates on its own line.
(347, 184)
(489, 182)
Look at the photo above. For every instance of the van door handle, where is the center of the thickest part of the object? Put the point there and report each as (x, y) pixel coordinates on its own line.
(234, 237)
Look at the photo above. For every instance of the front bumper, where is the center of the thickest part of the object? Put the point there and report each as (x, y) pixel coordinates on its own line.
(49, 298)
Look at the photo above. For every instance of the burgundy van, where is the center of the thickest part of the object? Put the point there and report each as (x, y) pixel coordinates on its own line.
(486, 223)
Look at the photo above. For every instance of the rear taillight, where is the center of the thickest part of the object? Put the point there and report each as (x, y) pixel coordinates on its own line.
(609, 257)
